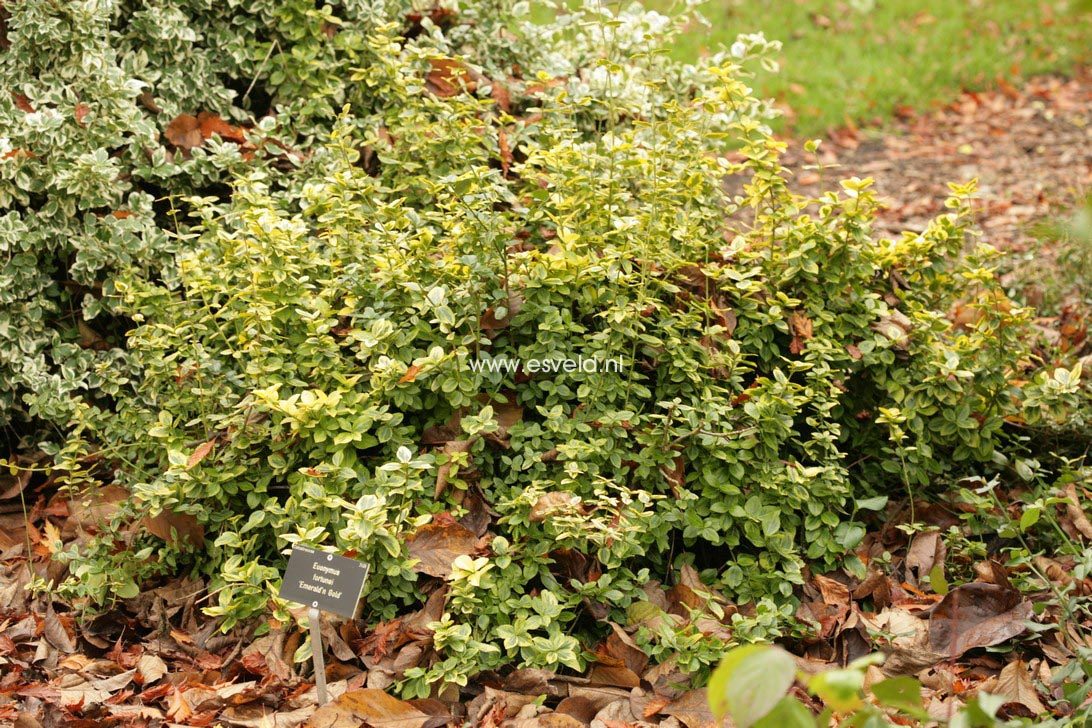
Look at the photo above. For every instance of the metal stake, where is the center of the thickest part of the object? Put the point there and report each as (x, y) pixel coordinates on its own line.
(316, 654)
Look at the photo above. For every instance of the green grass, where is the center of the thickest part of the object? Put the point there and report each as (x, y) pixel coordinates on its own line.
(860, 60)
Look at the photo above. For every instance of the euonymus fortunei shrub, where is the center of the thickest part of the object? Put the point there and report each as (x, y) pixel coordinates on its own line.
(322, 356)
(112, 111)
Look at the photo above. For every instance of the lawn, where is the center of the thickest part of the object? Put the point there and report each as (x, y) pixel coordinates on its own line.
(866, 60)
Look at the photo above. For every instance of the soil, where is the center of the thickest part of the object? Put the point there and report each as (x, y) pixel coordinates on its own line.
(1030, 149)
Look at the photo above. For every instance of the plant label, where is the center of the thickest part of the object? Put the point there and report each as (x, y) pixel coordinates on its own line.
(323, 581)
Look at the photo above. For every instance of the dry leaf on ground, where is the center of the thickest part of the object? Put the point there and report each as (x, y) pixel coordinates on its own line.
(976, 615)
(374, 708)
(1015, 683)
(437, 545)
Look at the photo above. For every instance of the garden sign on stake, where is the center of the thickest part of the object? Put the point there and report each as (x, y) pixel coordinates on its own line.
(325, 582)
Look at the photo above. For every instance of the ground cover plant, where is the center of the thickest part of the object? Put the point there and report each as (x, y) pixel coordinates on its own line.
(304, 336)
(111, 111)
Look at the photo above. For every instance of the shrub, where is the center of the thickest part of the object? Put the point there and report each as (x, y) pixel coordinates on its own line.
(113, 112)
(315, 365)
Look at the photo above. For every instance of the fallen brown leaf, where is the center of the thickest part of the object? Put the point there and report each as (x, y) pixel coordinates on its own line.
(553, 503)
(210, 124)
(505, 151)
(1015, 683)
(619, 677)
(411, 374)
(178, 710)
(184, 132)
(200, 453)
(578, 707)
(976, 615)
(490, 322)
(448, 77)
(908, 650)
(443, 472)
(175, 528)
(13, 485)
(149, 669)
(502, 97)
(550, 720)
(692, 710)
(1076, 513)
(256, 715)
(926, 551)
(834, 593)
(373, 707)
(618, 715)
(435, 546)
(622, 646)
(801, 325)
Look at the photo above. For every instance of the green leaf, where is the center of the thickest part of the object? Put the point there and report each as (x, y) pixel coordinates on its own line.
(640, 611)
(128, 590)
(873, 504)
(862, 663)
(901, 693)
(749, 683)
(848, 535)
(980, 712)
(839, 689)
(937, 580)
(1030, 517)
(788, 713)
(867, 717)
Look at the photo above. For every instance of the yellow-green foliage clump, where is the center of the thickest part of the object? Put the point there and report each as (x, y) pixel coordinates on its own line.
(323, 360)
